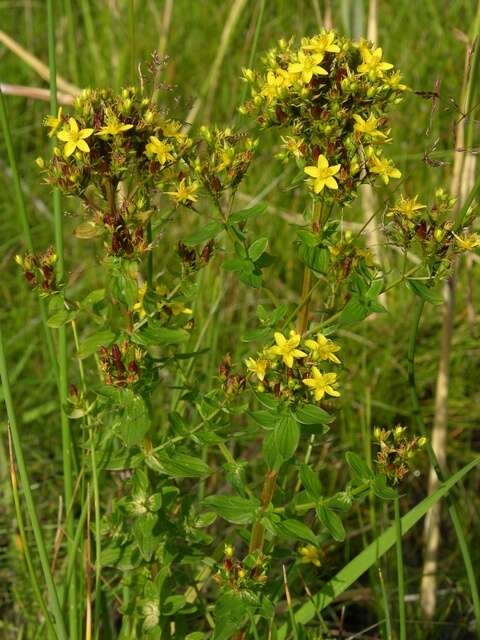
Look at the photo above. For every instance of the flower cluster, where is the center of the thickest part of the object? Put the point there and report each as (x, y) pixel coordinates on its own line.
(192, 260)
(430, 230)
(397, 451)
(329, 97)
(236, 575)
(39, 270)
(223, 158)
(290, 368)
(121, 364)
(348, 255)
(160, 303)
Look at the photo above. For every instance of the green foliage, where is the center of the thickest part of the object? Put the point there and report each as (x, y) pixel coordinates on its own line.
(166, 274)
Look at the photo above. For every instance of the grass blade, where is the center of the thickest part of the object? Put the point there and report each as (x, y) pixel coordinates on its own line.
(29, 501)
(369, 556)
(67, 443)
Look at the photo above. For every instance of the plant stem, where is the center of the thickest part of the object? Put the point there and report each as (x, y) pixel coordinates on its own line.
(307, 278)
(67, 445)
(96, 493)
(149, 256)
(24, 222)
(400, 575)
(258, 530)
(29, 501)
(452, 509)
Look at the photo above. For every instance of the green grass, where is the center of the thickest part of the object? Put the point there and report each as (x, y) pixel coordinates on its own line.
(100, 44)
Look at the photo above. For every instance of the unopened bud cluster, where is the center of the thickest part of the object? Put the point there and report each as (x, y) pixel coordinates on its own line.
(397, 451)
(39, 270)
(237, 575)
(121, 364)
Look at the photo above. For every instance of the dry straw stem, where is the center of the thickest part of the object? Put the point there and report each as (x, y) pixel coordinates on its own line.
(367, 194)
(35, 93)
(461, 185)
(211, 83)
(36, 64)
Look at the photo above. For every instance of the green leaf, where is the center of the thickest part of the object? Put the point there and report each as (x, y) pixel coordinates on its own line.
(310, 481)
(382, 490)
(246, 214)
(375, 289)
(233, 508)
(206, 233)
(181, 465)
(87, 230)
(172, 604)
(251, 279)
(135, 421)
(61, 317)
(370, 555)
(257, 248)
(360, 469)
(230, 611)
(255, 335)
(312, 414)
(270, 452)
(266, 419)
(94, 297)
(155, 333)
(92, 343)
(354, 311)
(144, 533)
(287, 437)
(295, 529)
(427, 293)
(332, 522)
(239, 265)
(124, 287)
(317, 258)
(124, 558)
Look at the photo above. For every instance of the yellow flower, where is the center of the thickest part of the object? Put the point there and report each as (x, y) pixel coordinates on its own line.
(321, 383)
(468, 241)
(322, 43)
(227, 157)
(323, 349)
(114, 127)
(287, 349)
(53, 123)
(172, 129)
(368, 126)
(384, 168)
(159, 149)
(394, 82)
(308, 66)
(372, 62)
(310, 554)
(276, 80)
(293, 145)
(74, 138)
(258, 367)
(407, 207)
(138, 306)
(323, 174)
(185, 193)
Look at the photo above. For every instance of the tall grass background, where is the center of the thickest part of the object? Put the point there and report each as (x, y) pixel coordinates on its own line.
(101, 43)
